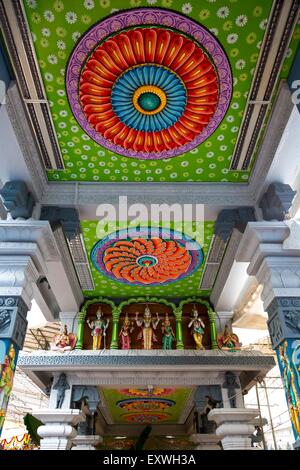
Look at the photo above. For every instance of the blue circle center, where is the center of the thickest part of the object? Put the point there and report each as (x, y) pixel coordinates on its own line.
(149, 101)
(143, 75)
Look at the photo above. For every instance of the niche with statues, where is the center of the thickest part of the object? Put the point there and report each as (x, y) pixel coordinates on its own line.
(97, 327)
(147, 326)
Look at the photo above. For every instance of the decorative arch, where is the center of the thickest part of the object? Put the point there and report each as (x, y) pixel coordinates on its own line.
(211, 316)
(156, 300)
(83, 313)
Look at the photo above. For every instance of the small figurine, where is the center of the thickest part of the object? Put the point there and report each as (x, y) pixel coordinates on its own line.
(61, 386)
(231, 385)
(197, 328)
(168, 333)
(228, 340)
(98, 327)
(125, 332)
(64, 341)
(147, 333)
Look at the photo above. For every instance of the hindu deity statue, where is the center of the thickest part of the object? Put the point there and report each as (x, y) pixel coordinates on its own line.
(125, 333)
(197, 328)
(168, 333)
(98, 327)
(228, 340)
(148, 326)
(64, 341)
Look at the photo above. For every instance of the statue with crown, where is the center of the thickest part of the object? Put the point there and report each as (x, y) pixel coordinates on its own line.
(125, 333)
(147, 325)
(168, 333)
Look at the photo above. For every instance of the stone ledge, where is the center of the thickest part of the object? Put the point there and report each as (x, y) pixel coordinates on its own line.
(119, 358)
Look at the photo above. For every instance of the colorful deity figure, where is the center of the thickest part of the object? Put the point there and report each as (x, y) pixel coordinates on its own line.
(228, 340)
(125, 333)
(6, 381)
(148, 326)
(290, 387)
(98, 327)
(168, 333)
(64, 341)
(197, 328)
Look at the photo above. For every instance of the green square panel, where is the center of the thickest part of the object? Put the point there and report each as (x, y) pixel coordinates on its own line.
(60, 28)
(112, 283)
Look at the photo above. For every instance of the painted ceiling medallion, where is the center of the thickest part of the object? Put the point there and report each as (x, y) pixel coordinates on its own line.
(148, 92)
(151, 256)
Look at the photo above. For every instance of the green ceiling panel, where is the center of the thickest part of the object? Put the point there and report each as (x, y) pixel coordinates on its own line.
(239, 25)
(188, 286)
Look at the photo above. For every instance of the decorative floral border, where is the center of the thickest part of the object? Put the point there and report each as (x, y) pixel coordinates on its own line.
(151, 16)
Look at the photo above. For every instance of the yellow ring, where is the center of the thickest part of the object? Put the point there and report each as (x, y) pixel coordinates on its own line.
(149, 89)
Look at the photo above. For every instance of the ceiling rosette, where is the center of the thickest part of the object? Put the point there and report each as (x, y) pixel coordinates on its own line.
(148, 83)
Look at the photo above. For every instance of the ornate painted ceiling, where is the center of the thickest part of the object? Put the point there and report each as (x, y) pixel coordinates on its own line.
(161, 405)
(162, 91)
(148, 260)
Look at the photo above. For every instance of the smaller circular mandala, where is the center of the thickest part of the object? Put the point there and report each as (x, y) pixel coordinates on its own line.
(150, 256)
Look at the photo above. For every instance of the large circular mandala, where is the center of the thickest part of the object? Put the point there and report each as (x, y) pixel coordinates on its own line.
(152, 91)
(153, 256)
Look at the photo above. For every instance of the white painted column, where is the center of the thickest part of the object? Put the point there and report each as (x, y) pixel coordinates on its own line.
(58, 429)
(234, 429)
(86, 442)
(206, 441)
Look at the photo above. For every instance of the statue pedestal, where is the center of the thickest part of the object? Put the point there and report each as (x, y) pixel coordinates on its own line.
(86, 442)
(58, 431)
(234, 429)
(206, 441)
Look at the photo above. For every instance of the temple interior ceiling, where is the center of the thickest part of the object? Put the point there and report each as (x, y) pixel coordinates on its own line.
(149, 260)
(146, 91)
(153, 405)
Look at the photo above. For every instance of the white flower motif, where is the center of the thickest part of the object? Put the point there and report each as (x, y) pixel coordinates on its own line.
(263, 24)
(230, 118)
(195, 150)
(187, 8)
(33, 37)
(62, 125)
(151, 2)
(241, 20)
(71, 17)
(31, 3)
(234, 129)
(60, 44)
(46, 32)
(210, 154)
(48, 77)
(223, 148)
(52, 59)
(89, 4)
(220, 137)
(232, 38)
(61, 92)
(63, 113)
(114, 10)
(215, 31)
(199, 171)
(235, 106)
(185, 163)
(223, 12)
(86, 137)
(49, 16)
(76, 36)
(240, 64)
(62, 72)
